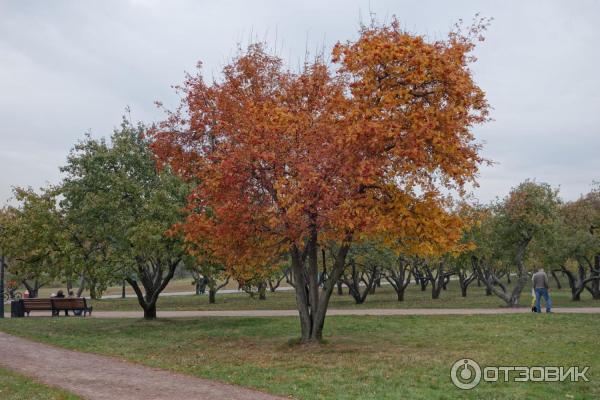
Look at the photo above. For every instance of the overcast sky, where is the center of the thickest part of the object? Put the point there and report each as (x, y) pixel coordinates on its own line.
(69, 67)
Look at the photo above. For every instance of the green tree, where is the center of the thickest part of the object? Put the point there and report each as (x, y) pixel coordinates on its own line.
(122, 206)
(31, 237)
(530, 211)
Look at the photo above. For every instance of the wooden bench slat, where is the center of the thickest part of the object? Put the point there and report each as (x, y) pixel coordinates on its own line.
(56, 305)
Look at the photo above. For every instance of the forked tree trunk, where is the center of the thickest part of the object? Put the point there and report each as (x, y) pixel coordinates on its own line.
(33, 288)
(311, 300)
(213, 288)
(437, 281)
(154, 282)
(578, 283)
(357, 278)
(464, 281)
(511, 299)
(398, 277)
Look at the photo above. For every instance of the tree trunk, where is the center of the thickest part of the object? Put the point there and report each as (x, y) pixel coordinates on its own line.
(150, 311)
(312, 301)
(212, 295)
(81, 287)
(340, 289)
(262, 291)
(33, 289)
(595, 273)
(558, 285)
(154, 282)
(123, 294)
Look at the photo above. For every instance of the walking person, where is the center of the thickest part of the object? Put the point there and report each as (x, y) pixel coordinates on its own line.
(540, 286)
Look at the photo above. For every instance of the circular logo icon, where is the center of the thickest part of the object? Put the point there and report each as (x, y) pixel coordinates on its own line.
(465, 374)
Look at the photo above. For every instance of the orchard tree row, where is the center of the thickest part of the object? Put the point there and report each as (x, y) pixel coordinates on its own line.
(351, 170)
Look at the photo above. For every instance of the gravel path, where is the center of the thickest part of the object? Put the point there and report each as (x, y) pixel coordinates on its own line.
(97, 377)
(352, 311)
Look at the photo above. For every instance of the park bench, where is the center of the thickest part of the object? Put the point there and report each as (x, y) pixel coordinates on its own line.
(56, 305)
(36, 305)
(71, 304)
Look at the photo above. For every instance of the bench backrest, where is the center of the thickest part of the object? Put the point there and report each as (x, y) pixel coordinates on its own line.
(37, 304)
(69, 303)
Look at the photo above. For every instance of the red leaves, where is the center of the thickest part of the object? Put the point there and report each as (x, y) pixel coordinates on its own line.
(277, 155)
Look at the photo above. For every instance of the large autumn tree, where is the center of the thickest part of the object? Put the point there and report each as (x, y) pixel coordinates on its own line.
(283, 162)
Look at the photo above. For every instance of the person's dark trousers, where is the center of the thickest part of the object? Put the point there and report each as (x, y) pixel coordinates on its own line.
(539, 293)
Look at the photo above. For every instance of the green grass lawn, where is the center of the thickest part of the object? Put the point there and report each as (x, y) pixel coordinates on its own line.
(363, 357)
(384, 297)
(18, 387)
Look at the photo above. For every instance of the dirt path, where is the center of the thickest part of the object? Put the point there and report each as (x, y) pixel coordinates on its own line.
(105, 378)
(352, 311)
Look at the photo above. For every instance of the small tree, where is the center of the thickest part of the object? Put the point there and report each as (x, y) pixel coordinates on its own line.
(531, 210)
(31, 238)
(124, 206)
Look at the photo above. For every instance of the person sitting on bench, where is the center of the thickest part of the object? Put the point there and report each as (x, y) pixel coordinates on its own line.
(59, 295)
(72, 296)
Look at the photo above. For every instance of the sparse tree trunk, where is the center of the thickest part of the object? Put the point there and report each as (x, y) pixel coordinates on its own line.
(356, 278)
(464, 281)
(262, 290)
(437, 281)
(154, 279)
(399, 277)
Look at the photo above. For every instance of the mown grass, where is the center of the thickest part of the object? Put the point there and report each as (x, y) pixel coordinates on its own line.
(18, 387)
(362, 358)
(384, 297)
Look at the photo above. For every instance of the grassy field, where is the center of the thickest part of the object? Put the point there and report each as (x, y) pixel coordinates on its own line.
(18, 387)
(363, 357)
(384, 297)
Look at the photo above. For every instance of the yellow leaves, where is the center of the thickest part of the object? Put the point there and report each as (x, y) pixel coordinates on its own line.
(284, 154)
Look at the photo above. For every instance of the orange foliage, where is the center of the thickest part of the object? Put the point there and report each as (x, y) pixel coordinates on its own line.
(359, 149)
